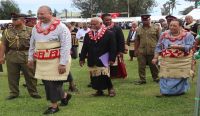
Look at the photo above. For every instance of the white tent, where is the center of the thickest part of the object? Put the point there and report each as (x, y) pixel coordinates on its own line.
(5, 21)
(195, 13)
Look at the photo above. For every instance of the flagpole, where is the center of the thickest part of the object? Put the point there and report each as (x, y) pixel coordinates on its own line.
(128, 7)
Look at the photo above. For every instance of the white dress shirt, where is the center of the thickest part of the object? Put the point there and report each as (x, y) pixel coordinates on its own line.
(61, 34)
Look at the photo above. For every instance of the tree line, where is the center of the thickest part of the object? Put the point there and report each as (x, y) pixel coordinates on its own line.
(91, 7)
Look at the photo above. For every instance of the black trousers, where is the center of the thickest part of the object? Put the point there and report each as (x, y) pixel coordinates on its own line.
(74, 51)
(69, 78)
(54, 90)
(1, 68)
(131, 53)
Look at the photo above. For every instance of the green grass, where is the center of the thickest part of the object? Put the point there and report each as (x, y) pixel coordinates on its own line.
(131, 100)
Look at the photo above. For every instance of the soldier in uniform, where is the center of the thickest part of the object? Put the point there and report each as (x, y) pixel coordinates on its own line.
(31, 21)
(147, 37)
(16, 42)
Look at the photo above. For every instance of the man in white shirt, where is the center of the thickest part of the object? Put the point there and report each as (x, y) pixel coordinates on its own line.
(81, 34)
(50, 45)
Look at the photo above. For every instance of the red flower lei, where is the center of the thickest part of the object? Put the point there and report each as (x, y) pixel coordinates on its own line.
(99, 35)
(166, 35)
(51, 27)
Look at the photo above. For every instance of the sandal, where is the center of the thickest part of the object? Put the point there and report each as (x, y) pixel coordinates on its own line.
(111, 92)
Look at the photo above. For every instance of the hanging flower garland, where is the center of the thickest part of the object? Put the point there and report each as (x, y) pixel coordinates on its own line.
(167, 35)
(50, 28)
(99, 35)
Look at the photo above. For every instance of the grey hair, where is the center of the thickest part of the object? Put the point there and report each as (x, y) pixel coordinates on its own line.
(97, 19)
(47, 7)
(134, 22)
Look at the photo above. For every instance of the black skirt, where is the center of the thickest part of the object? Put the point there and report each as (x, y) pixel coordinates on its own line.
(101, 82)
(131, 53)
(74, 52)
(54, 90)
(1, 68)
(113, 71)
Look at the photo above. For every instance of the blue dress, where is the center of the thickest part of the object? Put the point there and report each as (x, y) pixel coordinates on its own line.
(174, 86)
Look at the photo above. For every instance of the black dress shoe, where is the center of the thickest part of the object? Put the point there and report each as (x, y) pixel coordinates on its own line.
(24, 85)
(160, 95)
(89, 85)
(36, 96)
(51, 110)
(73, 89)
(156, 80)
(98, 93)
(11, 97)
(65, 101)
(140, 82)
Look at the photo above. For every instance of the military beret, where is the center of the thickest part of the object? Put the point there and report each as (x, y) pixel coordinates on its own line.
(145, 16)
(170, 17)
(30, 18)
(17, 15)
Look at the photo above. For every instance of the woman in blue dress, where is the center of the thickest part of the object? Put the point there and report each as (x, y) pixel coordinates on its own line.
(175, 48)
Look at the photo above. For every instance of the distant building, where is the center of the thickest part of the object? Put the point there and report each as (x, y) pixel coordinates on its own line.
(63, 14)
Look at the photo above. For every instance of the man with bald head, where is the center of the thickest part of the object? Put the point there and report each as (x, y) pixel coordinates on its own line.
(99, 47)
(50, 46)
(190, 25)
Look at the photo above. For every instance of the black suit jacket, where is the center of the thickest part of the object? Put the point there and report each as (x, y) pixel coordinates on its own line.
(92, 50)
(130, 34)
(119, 36)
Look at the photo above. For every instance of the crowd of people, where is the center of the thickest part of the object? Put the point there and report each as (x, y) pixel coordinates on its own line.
(44, 50)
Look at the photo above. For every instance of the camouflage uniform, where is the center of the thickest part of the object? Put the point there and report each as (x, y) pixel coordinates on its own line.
(148, 38)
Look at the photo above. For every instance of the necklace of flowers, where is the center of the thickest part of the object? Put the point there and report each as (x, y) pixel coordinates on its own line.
(54, 23)
(99, 35)
(181, 35)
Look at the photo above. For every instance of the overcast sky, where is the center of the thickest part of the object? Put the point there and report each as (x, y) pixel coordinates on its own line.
(59, 5)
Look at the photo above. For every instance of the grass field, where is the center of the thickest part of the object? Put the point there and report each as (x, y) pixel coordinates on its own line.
(131, 100)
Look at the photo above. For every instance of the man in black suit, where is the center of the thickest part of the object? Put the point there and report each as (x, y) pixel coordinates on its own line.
(119, 36)
(99, 47)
